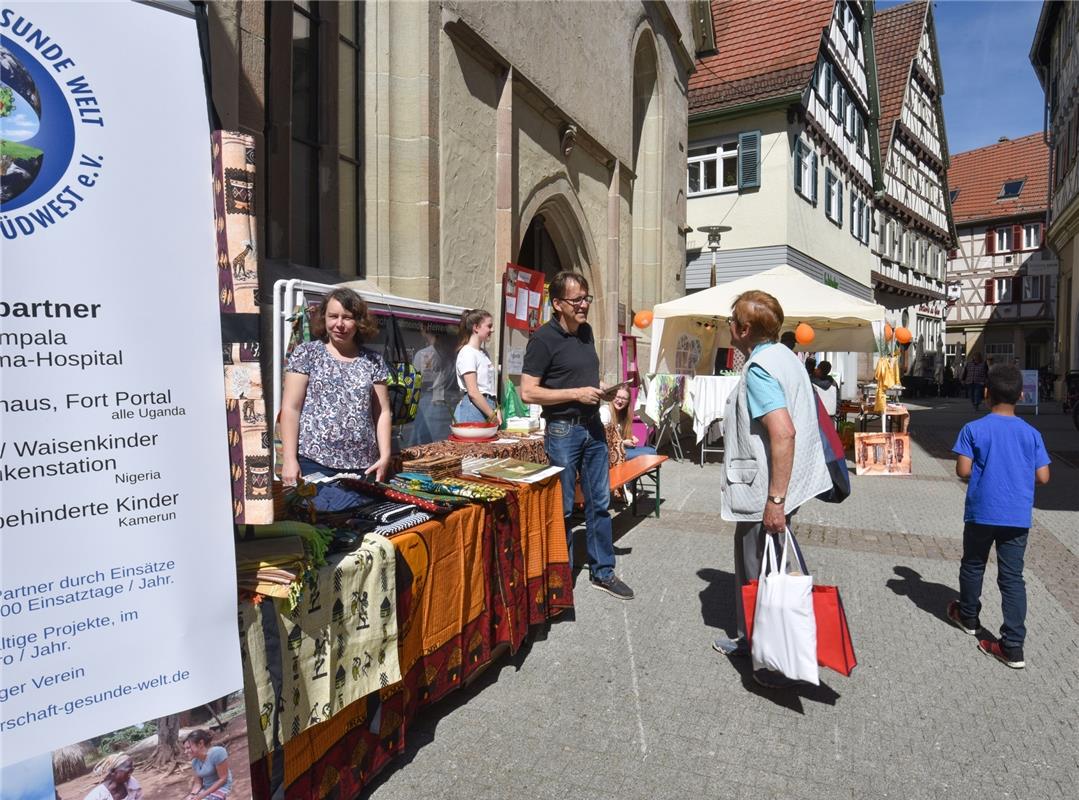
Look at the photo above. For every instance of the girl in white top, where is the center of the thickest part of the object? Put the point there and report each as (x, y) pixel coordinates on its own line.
(475, 372)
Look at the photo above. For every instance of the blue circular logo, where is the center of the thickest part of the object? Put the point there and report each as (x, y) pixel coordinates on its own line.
(37, 131)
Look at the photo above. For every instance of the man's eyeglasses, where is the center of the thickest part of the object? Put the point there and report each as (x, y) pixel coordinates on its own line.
(577, 302)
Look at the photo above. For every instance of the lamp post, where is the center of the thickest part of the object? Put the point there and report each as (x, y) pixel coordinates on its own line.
(714, 233)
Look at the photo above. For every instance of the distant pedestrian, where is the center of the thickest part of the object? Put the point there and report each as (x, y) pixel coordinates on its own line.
(1003, 458)
(773, 461)
(973, 377)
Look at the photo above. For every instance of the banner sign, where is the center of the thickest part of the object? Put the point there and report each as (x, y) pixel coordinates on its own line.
(118, 594)
(1029, 397)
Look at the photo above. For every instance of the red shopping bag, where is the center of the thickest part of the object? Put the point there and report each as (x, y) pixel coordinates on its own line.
(835, 649)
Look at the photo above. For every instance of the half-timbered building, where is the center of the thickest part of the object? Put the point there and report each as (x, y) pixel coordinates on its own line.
(1055, 56)
(782, 145)
(912, 230)
(1001, 276)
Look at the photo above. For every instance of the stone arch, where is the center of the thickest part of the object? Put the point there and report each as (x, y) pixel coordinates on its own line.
(565, 221)
(646, 209)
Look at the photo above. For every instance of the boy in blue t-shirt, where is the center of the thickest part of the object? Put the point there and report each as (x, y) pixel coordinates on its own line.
(1003, 458)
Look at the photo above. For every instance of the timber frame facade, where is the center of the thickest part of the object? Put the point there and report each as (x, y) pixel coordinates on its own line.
(913, 229)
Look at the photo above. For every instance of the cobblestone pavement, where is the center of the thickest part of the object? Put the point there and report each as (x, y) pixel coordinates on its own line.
(628, 700)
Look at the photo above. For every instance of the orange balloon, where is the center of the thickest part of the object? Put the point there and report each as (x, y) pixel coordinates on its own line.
(642, 319)
(887, 332)
(804, 334)
(903, 335)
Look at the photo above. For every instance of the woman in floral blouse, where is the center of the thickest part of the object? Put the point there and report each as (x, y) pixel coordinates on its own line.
(335, 408)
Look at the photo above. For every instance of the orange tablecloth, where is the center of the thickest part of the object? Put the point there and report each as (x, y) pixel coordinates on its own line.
(467, 583)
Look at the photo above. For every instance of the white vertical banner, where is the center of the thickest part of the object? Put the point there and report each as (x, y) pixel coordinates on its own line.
(116, 551)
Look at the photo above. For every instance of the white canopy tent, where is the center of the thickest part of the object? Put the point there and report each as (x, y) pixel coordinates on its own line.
(687, 331)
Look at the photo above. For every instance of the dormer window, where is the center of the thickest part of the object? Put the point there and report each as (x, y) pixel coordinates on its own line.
(952, 195)
(1011, 189)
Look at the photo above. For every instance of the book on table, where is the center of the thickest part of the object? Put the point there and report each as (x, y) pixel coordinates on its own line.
(512, 469)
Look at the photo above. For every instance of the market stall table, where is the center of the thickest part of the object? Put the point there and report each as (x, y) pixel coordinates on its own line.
(466, 584)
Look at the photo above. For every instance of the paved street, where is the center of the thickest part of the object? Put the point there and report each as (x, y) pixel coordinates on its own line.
(628, 700)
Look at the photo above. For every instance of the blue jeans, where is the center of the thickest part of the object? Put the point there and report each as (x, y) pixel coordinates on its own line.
(582, 449)
(331, 497)
(1011, 546)
(977, 394)
(643, 450)
(466, 410)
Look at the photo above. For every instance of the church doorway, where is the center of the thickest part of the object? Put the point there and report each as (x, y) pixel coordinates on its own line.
(538, 250)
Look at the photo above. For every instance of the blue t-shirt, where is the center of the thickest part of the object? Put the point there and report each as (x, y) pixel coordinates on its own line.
(1005, 452)
(763, 392)
(207, 770)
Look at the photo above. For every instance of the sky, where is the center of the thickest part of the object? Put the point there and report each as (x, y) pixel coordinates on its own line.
(990, 89)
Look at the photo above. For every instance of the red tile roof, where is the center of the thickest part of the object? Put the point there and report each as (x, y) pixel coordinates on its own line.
(979, 174)
(897, 33)
(764, 50)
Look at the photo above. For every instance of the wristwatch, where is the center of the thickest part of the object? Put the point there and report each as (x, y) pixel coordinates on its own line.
(778, 499)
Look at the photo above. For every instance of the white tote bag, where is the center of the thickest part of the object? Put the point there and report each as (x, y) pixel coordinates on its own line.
(784, 627)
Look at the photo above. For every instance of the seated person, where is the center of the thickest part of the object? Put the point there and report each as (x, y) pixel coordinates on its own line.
(822, 376)
(619, 412)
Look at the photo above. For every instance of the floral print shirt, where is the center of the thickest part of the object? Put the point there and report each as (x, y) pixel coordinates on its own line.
(336, 426)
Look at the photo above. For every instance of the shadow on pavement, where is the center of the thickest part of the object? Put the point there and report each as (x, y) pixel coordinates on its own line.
(790, 698)
(932, 598)
(717, 599)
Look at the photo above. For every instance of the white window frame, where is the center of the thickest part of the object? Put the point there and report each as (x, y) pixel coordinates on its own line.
(833, 185)
(1003, 237)
(1032, 236)
(883, 224)
(835, 102)
(806, 154)
(1033, 288)
(1002, 290)
(719, 155)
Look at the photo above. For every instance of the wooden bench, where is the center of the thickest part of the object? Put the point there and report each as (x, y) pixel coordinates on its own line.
(641, 467)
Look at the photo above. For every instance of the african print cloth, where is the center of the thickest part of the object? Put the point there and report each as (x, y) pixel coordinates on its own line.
(467, 583)
(338, 645)
(237, 271)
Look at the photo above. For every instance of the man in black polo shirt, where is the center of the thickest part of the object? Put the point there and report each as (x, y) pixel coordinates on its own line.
(561, 373)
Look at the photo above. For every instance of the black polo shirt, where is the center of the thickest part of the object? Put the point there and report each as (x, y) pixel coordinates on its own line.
(563, 360)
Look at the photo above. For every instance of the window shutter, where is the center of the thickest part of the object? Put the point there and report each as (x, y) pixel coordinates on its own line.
(828, 193)
(989, 299)
(1017, 289)
(749, 160)
(813, 176)
(1017, 237)
(1041, 234)
(798, 156)
(853, 217)
(839, 199)
(990, 241)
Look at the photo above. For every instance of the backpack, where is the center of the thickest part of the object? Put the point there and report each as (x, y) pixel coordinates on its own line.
(834, 457)
(404, 381)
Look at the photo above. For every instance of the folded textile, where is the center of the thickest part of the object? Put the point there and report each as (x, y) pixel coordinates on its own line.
(436, 505)
(280, 552)
(316, 538)
(455, 487)
(403, 524)
(386, 512)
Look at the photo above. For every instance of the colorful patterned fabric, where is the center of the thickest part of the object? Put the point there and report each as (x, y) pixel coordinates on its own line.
(467, 583)
(336, 426)
(338, 645)
(237, 262)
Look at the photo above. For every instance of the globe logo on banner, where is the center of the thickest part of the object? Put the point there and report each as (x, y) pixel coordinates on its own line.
(37, 133)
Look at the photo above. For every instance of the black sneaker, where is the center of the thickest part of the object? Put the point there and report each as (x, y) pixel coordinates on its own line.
(1009, 656)
(613, 585)
(964, 624)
